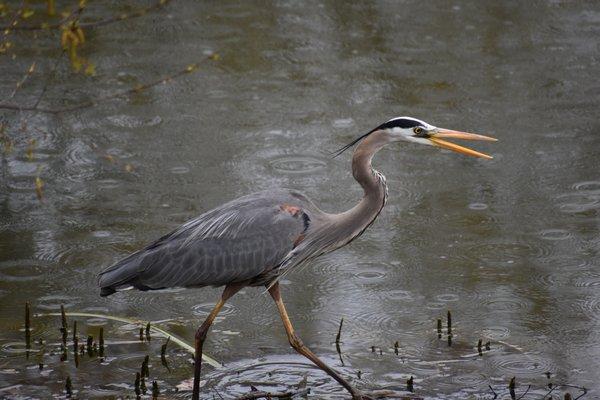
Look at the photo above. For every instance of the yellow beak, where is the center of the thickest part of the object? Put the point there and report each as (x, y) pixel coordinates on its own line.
(437, 136)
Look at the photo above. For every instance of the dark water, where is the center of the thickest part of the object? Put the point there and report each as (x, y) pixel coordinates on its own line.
(509, 245)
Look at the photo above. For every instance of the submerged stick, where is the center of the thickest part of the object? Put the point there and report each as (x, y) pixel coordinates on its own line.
(163, 353)
(90, 345)
(63, 317)
(449, 328)
(439, 328)
(339, 333)
(136, 384)
(27, 325)
(75, 338)
(148, 338)
(409, 385)
(69, 386)
(479, 343)
(259, 394)
(163, 348)
(101, 342)
(209, 360)
(511, 388)
(155, 390)
(145, 371)
(337, 341)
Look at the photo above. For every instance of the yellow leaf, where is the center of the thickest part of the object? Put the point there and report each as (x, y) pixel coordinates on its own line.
(31, 69)
(26, 13)
(128, 168)
(90, 69)
(191, 67)
(109, 158)
(51, 8)
(39, 184)
(80, 34)
(76, 64)
(63, 39)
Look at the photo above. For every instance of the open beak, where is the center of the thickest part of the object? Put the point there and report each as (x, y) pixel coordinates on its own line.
(438, 135)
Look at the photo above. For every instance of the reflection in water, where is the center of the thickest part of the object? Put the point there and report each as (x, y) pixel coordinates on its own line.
(510, 245)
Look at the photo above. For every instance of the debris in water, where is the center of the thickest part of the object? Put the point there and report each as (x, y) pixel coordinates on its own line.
(64, 328)
(27, 326)
(136, 384)
(69, 387)
(101, 342)
(511, 387)
(155, 390)
(145, 371)
(39, 185)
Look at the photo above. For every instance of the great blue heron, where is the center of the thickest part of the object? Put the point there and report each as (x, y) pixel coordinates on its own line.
(256, 239)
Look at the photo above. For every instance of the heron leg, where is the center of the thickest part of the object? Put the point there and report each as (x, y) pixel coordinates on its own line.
(202, 331)
(297, 344)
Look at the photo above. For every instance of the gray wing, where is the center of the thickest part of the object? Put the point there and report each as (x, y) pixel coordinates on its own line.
(235, 242)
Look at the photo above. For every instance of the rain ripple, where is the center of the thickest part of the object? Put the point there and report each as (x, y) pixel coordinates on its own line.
(297, 164)
(522, 365)
(585, 197)
(21, 270)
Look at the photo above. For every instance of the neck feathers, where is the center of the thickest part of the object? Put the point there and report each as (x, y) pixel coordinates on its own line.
(371, 180)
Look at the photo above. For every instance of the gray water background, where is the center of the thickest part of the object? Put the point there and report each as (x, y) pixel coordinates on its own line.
(510, 245)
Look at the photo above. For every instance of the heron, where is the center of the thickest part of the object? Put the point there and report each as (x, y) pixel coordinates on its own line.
(256, 239)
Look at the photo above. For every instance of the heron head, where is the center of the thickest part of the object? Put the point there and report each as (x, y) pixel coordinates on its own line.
(413, 130)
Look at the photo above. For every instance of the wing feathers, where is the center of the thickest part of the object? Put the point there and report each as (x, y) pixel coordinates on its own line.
(235, 242)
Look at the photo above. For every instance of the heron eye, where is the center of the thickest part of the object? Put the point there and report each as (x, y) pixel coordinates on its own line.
(418, 130)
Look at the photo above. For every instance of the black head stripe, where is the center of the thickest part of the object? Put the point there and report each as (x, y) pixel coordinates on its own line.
(400, 123)
(393, 123)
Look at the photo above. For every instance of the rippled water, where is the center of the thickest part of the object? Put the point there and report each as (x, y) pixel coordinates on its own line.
(510, 246)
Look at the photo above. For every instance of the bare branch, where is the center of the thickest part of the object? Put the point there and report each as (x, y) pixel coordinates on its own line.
(259, 394)
(90, 103)
(20, 83)
(139, 13)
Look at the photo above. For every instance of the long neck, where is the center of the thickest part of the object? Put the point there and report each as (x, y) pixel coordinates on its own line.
(372, 182)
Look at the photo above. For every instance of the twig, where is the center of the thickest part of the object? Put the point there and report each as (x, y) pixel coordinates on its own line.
(5, 45)
(27, 325)
(523, 395)
(22, 81)
(48, 78)
(493, 391)
(209, 360)
(140, 13)
(339, 334)
(218, 394)
(259, 394)
(90, 103)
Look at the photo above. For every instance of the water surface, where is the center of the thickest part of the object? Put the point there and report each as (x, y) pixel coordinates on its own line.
(510, 246)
